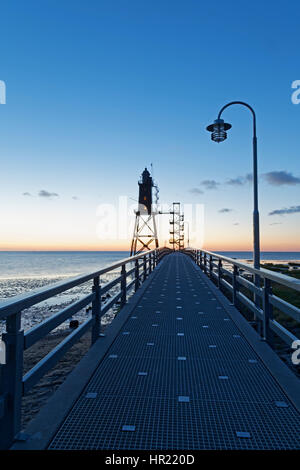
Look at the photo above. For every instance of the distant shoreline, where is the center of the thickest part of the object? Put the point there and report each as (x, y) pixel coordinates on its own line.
(127, 251)
(277, 261)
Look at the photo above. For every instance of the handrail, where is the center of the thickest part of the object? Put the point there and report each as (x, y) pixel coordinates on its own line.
(264, 301)
(34, 334)
(13, 385)
(262, 272)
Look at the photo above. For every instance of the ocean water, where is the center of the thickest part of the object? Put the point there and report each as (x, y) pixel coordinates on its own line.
(31, 264)
(22, 272)
(265, 255)
(53, 264)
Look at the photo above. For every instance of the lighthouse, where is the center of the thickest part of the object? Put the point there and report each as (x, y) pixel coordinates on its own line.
(145, 232)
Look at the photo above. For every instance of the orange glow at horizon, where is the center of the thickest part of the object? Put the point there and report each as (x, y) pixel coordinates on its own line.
(110, 246)
(278, 245)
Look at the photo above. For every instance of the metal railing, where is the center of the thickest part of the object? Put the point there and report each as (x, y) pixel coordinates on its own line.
(13, 384)
(234, 276)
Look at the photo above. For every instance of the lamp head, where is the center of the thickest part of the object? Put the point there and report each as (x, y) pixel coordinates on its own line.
(218, 130)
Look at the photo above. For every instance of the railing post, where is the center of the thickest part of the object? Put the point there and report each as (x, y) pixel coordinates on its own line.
(11, 386)
(267, 309)
(219, 273)
(258, 304)
(234, 285)
(210, 266)
(205, 267)
(150, 263)
(201, 260)
(145, 267)
(123, 285)
(96, 310)
(136, 275)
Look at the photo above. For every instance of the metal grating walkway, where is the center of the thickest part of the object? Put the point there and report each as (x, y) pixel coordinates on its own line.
(180, 375)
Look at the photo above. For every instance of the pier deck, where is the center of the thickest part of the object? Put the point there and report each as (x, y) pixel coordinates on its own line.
(181, 373)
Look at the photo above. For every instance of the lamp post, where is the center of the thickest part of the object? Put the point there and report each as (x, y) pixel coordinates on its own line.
(218, 134)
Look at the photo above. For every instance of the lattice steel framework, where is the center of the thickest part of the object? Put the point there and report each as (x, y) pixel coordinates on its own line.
(144, 234)
(176, 227)
(145, 230)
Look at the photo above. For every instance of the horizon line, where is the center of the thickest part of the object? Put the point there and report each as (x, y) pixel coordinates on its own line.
(126, 250)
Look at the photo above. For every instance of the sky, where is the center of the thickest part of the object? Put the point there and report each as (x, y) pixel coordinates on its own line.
(97, 90)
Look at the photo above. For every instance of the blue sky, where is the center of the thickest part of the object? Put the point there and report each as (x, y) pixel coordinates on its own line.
(97, 90)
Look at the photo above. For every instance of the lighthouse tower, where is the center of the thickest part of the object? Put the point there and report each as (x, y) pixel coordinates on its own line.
(145, 232)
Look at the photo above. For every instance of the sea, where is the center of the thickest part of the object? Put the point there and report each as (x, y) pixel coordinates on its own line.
(53, 264)
(24, 271)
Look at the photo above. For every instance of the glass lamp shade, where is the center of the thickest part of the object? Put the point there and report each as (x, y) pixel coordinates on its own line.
(218, 130)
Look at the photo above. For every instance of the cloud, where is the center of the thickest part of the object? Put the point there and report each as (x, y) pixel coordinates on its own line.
(75, 198)
(240, 180)
(225, 210)
(286, 210)
(44, 193)
(26, 194)
(236, 223)
(279, 178)
(276, 223)
(196, 191)
(235, 181)
(210, 184)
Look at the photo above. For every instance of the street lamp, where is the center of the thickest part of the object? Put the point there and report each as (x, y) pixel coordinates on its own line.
(218, 130)
(218, 134)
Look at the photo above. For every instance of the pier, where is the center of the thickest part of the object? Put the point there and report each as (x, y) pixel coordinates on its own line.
(179, 367)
